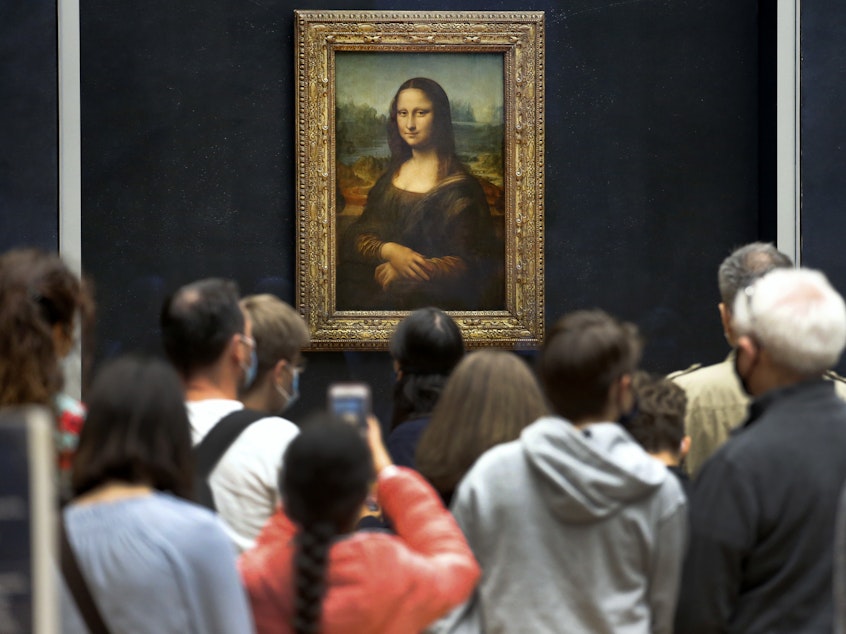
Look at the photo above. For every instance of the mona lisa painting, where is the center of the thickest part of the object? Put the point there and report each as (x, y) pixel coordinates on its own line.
(429, 231)
(420, 174)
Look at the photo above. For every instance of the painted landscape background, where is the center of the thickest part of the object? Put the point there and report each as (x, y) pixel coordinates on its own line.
(364, 86)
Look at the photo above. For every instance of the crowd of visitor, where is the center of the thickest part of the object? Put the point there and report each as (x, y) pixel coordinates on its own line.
(560, 494)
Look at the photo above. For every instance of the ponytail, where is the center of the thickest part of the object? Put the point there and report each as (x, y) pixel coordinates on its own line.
(310, 564)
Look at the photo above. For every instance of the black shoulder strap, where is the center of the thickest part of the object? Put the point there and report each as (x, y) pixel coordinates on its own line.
(209, 451)
(76, 584)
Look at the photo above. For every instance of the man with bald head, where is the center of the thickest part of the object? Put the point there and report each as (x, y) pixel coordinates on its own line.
(208, 337)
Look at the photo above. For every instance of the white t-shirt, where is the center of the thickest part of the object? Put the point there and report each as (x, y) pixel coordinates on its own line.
(245, 483)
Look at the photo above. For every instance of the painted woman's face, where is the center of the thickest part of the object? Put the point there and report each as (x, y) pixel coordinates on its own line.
(415, 118)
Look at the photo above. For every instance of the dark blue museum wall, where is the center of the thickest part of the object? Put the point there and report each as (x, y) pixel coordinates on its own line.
(29, 179)
(652, 171)
(823, 139)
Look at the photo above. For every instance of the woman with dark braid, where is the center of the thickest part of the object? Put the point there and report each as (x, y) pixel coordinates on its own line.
(310, 572)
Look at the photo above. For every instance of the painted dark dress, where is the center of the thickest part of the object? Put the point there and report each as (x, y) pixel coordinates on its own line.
(451, 225)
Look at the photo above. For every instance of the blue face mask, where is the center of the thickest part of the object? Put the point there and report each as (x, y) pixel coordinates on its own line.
(291, 398)
(250, 370)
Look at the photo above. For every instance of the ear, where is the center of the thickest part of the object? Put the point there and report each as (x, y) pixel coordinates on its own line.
(747, 344)
(279, 369)
(684, 447)
(236, 348)
(624, 392)
(725, 318)
(625, 383)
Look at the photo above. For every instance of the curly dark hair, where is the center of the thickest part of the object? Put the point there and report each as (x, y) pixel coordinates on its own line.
(38, 294)
(661, 405)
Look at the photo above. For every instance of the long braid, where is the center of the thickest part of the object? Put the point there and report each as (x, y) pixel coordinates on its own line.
(328, 468)
(310, 564)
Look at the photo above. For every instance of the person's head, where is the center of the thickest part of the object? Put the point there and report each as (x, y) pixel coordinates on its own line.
(280, 334)
(790, 326)
(658, 425)
(425, 346)
(41, 301)
(489, 398)
(327, 472)
(434, 129)
(203, 326)
(745, 265)
(585, 366)
(136, 430)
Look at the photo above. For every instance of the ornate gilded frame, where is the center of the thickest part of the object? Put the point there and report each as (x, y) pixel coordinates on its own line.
(519, 36)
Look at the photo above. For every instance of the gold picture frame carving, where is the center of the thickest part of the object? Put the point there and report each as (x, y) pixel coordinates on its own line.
(518, 37)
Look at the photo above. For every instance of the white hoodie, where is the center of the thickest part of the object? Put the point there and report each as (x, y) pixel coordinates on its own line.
(575, 530)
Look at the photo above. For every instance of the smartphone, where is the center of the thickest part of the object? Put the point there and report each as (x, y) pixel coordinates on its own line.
(351, 403)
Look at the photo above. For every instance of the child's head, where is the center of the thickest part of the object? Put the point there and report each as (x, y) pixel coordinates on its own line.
(659, 422)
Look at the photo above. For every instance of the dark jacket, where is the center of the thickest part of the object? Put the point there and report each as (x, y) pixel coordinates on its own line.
(762, 516)
(402, 442)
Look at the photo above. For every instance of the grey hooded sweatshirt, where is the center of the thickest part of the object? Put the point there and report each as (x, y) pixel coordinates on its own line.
(576, 530)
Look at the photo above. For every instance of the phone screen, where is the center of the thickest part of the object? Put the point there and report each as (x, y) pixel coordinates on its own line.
(350, 403)
(349, 408)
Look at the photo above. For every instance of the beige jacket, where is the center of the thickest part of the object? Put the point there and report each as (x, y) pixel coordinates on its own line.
(716, 404)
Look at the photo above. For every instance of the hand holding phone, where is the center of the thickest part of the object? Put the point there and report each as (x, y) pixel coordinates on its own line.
(351, 403)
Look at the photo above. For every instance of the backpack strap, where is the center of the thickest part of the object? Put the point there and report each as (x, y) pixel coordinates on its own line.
(209, 451)
(77, 586)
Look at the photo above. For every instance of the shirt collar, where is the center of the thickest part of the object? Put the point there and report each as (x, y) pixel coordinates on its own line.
(766, 400)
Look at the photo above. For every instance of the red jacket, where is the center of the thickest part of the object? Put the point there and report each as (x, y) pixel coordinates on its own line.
(377, 583)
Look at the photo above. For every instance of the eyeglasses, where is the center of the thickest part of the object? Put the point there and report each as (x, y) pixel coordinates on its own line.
(248, 340)
(300, 367)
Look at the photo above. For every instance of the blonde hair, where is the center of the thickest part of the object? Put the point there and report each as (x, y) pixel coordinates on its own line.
(279, 330)
(489, 398)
